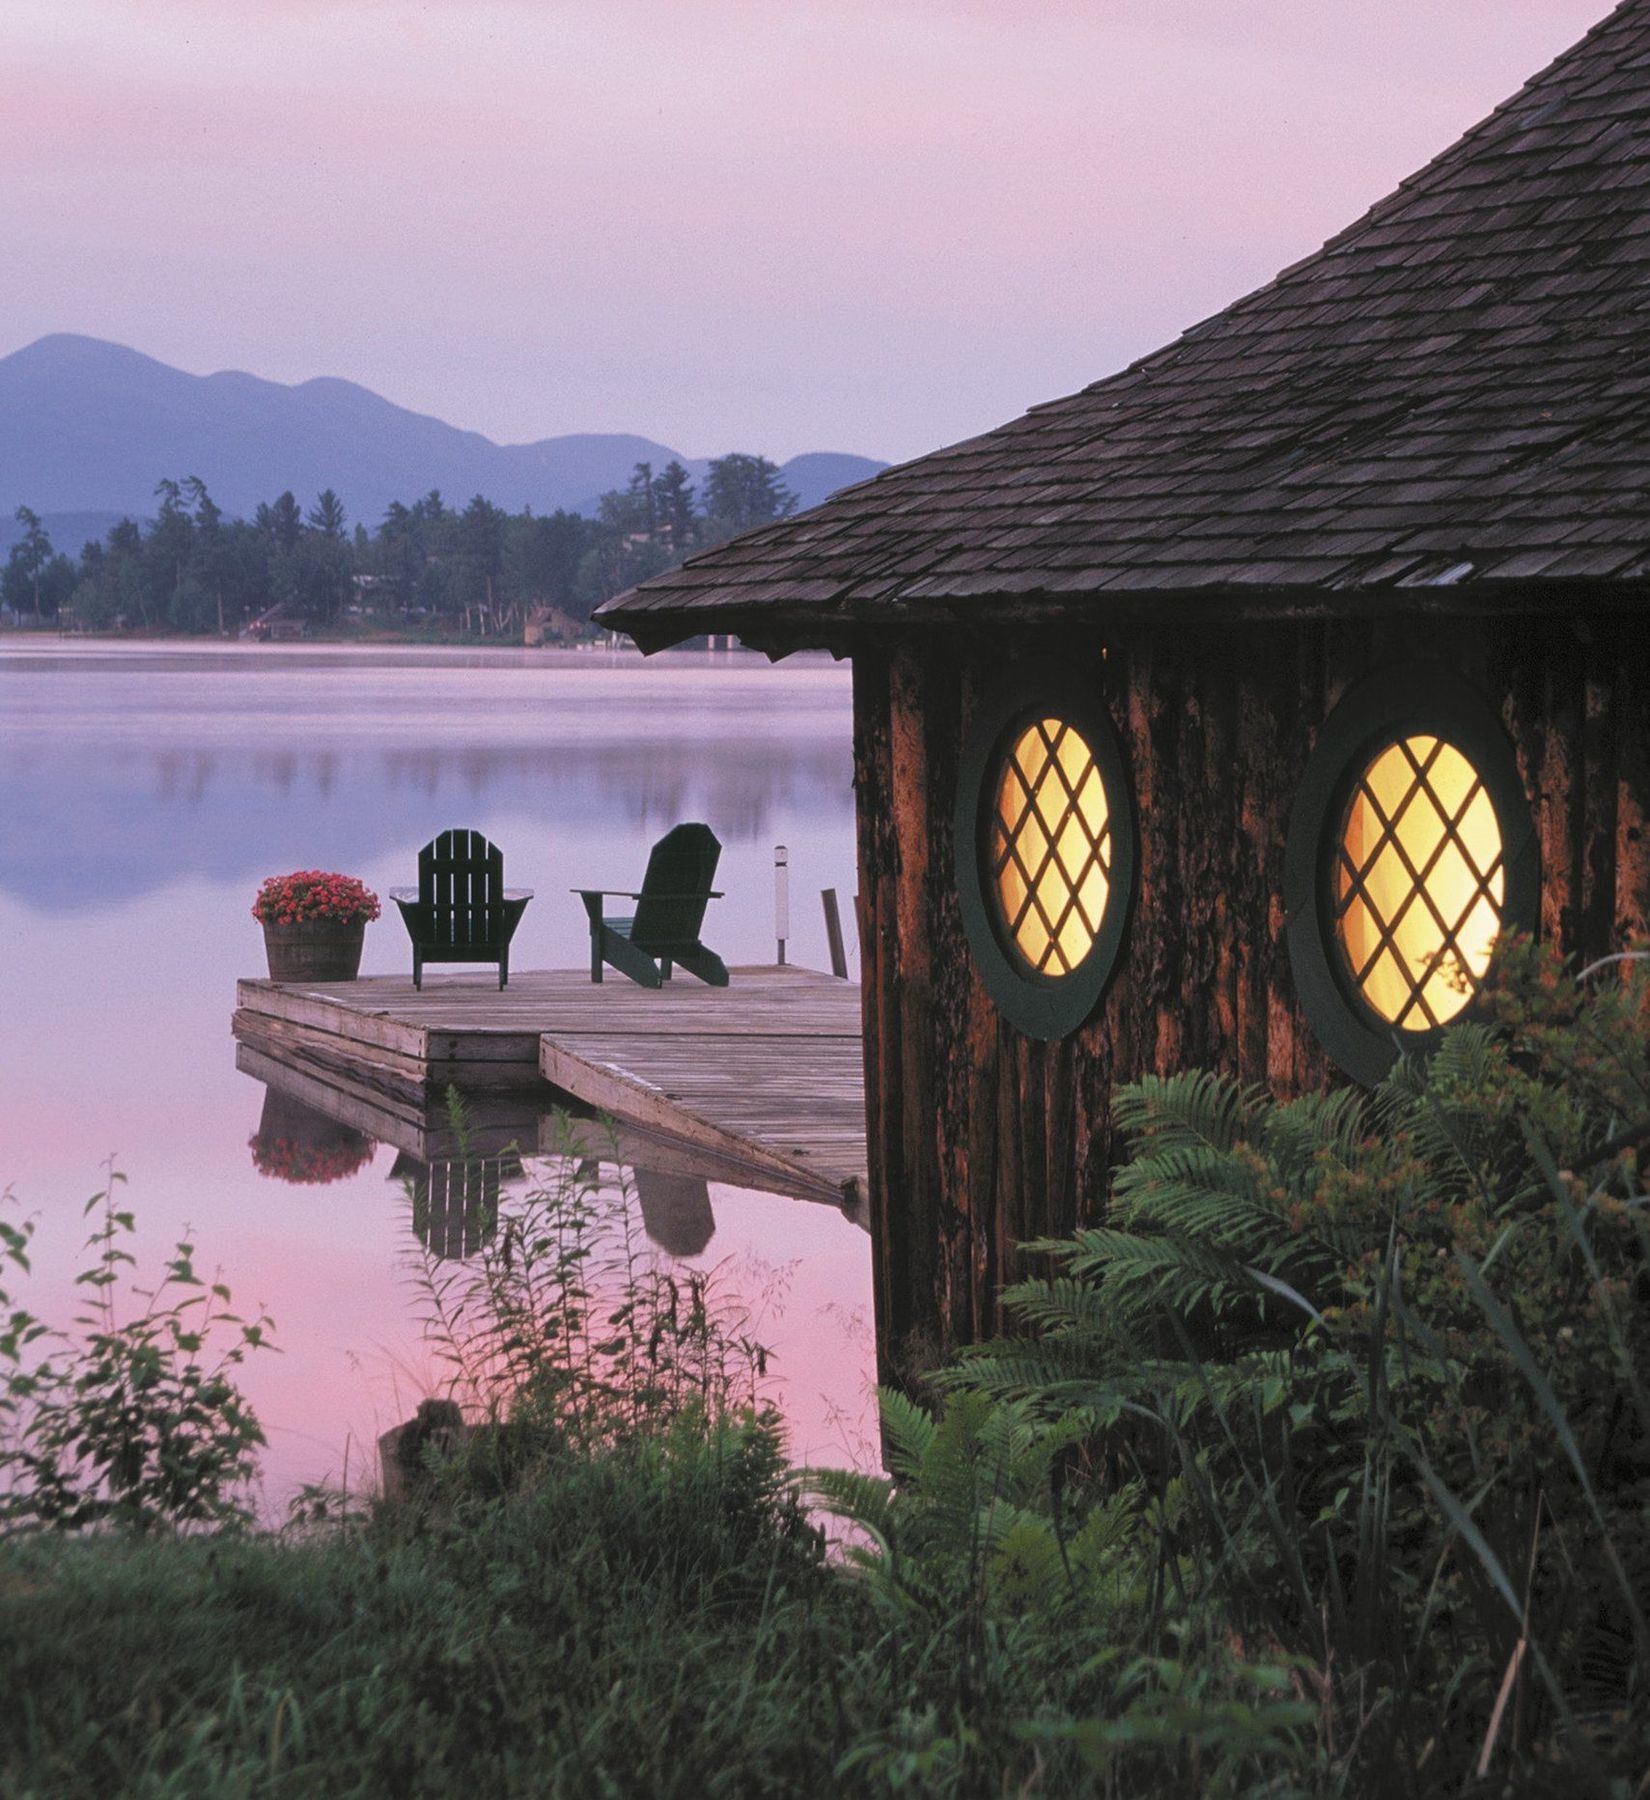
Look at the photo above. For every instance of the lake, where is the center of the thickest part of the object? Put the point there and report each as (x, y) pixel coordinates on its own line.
(144, 793)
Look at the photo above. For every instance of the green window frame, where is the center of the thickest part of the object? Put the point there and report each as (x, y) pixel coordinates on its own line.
(1411, 832)
(1045, 847)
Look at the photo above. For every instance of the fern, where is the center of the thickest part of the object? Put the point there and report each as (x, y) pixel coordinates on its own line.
(1195, 1108)
(908, 1432)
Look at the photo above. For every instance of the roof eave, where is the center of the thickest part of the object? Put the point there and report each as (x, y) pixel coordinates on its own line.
(836, 626)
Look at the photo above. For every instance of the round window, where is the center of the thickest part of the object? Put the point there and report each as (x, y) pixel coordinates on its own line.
(1419, 883)
(1410, 850)
(1051, 847)
(1045, 848)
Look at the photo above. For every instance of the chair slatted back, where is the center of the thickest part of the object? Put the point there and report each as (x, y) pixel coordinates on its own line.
(676, 888)
(461, 881)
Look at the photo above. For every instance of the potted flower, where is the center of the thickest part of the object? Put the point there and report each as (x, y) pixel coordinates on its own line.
(314, 923)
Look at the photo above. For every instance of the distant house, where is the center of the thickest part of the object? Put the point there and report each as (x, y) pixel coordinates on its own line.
(549, 624)
(1226, 712)
(276, 626)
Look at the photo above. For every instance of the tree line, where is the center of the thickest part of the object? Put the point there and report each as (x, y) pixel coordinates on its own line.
(476, 569)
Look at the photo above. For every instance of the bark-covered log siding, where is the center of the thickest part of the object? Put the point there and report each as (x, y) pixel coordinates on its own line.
(981, 1138)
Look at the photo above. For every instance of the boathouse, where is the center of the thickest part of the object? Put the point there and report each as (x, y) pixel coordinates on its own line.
(1223, 713)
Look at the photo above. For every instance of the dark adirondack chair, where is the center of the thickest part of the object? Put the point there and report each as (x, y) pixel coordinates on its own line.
(670, 909)
(461, 911)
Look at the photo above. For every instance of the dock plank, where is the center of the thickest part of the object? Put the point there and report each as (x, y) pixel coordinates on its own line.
(765, 1073)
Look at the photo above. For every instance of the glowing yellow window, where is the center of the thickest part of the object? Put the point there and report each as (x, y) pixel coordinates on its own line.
(1051, 846)
(1419, 883)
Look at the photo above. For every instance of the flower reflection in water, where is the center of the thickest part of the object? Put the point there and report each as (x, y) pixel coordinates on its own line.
(296, 1144)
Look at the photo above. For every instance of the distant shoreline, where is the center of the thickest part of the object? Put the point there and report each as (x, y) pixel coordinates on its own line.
(366, 640)
(52, 646)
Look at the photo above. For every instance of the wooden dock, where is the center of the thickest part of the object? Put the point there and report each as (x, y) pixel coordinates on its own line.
(760, 1082)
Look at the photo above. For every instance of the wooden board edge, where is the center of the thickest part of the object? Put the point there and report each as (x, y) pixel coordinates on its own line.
(635, 1103)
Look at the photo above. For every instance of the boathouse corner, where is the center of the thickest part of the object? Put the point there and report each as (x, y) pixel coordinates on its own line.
(1224, 713)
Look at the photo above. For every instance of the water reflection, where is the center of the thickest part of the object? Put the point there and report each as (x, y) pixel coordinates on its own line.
(454, 1155)
(115, 789)
(303, 1146)
(455, 1200)
(676, 1211)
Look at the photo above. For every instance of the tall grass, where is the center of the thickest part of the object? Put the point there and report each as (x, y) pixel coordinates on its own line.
(565, 1321)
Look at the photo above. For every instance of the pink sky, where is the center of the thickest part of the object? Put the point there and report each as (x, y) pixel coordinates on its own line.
(821, 224)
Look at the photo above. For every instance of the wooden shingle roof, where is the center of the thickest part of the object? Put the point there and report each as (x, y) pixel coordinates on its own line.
(1446, 406)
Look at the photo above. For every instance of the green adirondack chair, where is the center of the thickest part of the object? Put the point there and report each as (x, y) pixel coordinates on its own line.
(670, 909)
(461, 911)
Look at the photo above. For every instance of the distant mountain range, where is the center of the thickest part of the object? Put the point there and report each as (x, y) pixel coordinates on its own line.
(88, 427)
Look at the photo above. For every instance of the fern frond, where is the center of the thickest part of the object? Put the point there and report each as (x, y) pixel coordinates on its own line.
(863, 1500)
(1336, 1122)
(908, 1430)
(1062, 1305)
(1197, 1107)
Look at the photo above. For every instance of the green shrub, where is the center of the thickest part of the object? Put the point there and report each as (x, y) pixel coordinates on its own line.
(1354, 1392)
(565, 1321)
(136, 1420)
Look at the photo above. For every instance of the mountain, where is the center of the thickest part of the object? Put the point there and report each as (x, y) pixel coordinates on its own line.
(88, 426)
(818, 474)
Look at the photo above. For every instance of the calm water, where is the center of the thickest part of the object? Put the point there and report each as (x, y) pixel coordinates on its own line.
(143, 795)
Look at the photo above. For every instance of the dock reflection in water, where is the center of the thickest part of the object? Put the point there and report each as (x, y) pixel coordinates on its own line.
(471, 1161)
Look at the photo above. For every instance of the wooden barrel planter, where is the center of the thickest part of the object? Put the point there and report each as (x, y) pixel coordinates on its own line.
(297, 1144)
(314, 950)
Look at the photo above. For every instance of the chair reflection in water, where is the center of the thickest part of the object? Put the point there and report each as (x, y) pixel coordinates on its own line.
(676, 1211)
(455, 1201)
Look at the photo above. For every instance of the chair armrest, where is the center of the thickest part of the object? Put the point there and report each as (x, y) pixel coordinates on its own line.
(626, 894)
(518, 893)
(401, 896)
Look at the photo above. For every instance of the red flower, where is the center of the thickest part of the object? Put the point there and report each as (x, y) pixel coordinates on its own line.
(308, 1164)
(314, 894)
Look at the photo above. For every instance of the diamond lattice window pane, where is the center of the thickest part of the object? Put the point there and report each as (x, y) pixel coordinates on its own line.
(1419, 883)
(1051, 846)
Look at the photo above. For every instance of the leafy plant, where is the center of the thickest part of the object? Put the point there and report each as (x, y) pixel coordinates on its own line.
(1356, 1382)
(137, 1421)
(562, 1318)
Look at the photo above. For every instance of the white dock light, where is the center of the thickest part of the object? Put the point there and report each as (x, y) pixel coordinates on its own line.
(781, 897)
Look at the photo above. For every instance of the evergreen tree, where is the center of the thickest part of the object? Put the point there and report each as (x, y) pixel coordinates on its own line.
(644, 501)
(327, 515)
(745, 491)
(209, 547)
(673, 497)
(282, 520)
(28, 559)
(167, 550)
(481, 557)
(543, 558)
